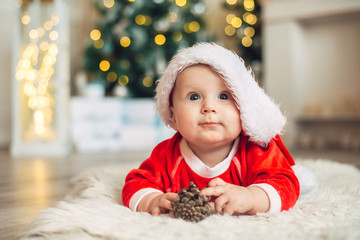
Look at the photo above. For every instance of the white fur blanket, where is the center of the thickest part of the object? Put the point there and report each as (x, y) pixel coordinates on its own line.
(93, 210)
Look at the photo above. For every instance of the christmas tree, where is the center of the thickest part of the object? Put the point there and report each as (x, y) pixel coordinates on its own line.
(134, 39)
(243, 23)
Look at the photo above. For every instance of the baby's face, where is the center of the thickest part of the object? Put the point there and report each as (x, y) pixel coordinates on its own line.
(204, 111)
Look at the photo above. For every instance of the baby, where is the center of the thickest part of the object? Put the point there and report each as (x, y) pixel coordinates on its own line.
(227, 140)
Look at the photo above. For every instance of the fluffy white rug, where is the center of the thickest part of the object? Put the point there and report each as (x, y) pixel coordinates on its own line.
(93, 210)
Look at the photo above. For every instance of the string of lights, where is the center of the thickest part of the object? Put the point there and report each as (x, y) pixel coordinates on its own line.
(243, 26)
(235, 22)
(35, 72)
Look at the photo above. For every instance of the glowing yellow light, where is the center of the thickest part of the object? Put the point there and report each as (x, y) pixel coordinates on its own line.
(230, 30)
(32, 102)
(187, 28)
(109, 3)
(236, 22)
(148, 20)
(125, 41)
(54, 35)
(177, 36)
(160, 39)
(48, 112)
(25, 19)
(25, 63)
(41, 31)
(111, 76)
(229, 17)
(148, 81)
(95, 34)
(104, 65)
(231, 2)
(44, 73)
(29, 89)
(50, 71)
(49, 60)
(123, 80)
(55, 19)
(20, 74)
(171, 17)
(246, 41)
(31, 75)
(249, 5)
(131, 0)
(39, 129)
(43, 101)
(29, 51)
(98, 43)
(140, 19)
(194, 26)
(48, 25)
(180, 3)
(42, 89)
(44, 46)
(249, 31)
(33, 34)
(39, 117)
(250, 18)
(43, 82)
(53, 49)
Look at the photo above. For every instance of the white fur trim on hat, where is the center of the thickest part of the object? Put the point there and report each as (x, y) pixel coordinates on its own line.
(261, 118)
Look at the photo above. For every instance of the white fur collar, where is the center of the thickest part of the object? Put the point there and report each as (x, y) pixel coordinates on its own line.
(199, 167)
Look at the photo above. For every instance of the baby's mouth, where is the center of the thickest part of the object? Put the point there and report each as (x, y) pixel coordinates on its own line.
(208, 124)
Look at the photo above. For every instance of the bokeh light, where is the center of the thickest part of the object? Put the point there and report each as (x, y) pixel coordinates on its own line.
(95, 34)
(180, 3)
(148, 81)
(109, 3)
(125, 41)
(123, 80)
(104, 65)
(160, 39)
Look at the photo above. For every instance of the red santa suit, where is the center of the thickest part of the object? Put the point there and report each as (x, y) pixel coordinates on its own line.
(172, 166)
(258, 156)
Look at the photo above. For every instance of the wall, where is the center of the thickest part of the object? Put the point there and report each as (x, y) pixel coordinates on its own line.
(331, 61)
(6, 33)
(311, 57)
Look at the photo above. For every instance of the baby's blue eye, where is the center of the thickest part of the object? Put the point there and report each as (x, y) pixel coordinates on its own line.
(224, 96)
(194, 97)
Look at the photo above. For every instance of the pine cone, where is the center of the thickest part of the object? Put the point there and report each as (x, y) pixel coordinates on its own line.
(191, 206)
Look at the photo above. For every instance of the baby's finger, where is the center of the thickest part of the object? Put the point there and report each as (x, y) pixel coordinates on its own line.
(171, 196)
(220, 204)
(213, 191)
(165, 203)
(216, 182)
(155, 211)
(228, 209)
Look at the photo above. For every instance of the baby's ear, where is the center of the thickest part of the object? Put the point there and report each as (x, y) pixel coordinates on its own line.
(173, 119)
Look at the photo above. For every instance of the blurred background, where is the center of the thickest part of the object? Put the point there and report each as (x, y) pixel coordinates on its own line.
(79, 76)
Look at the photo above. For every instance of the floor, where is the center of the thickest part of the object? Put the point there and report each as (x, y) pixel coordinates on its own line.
(29, 185)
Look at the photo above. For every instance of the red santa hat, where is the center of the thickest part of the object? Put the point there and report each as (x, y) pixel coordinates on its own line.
(261, 118)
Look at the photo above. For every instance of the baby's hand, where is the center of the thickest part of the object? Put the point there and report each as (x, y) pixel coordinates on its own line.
(161, 203)
(230, 199)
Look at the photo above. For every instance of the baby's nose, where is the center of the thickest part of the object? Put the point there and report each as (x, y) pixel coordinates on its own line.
(209, 107)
